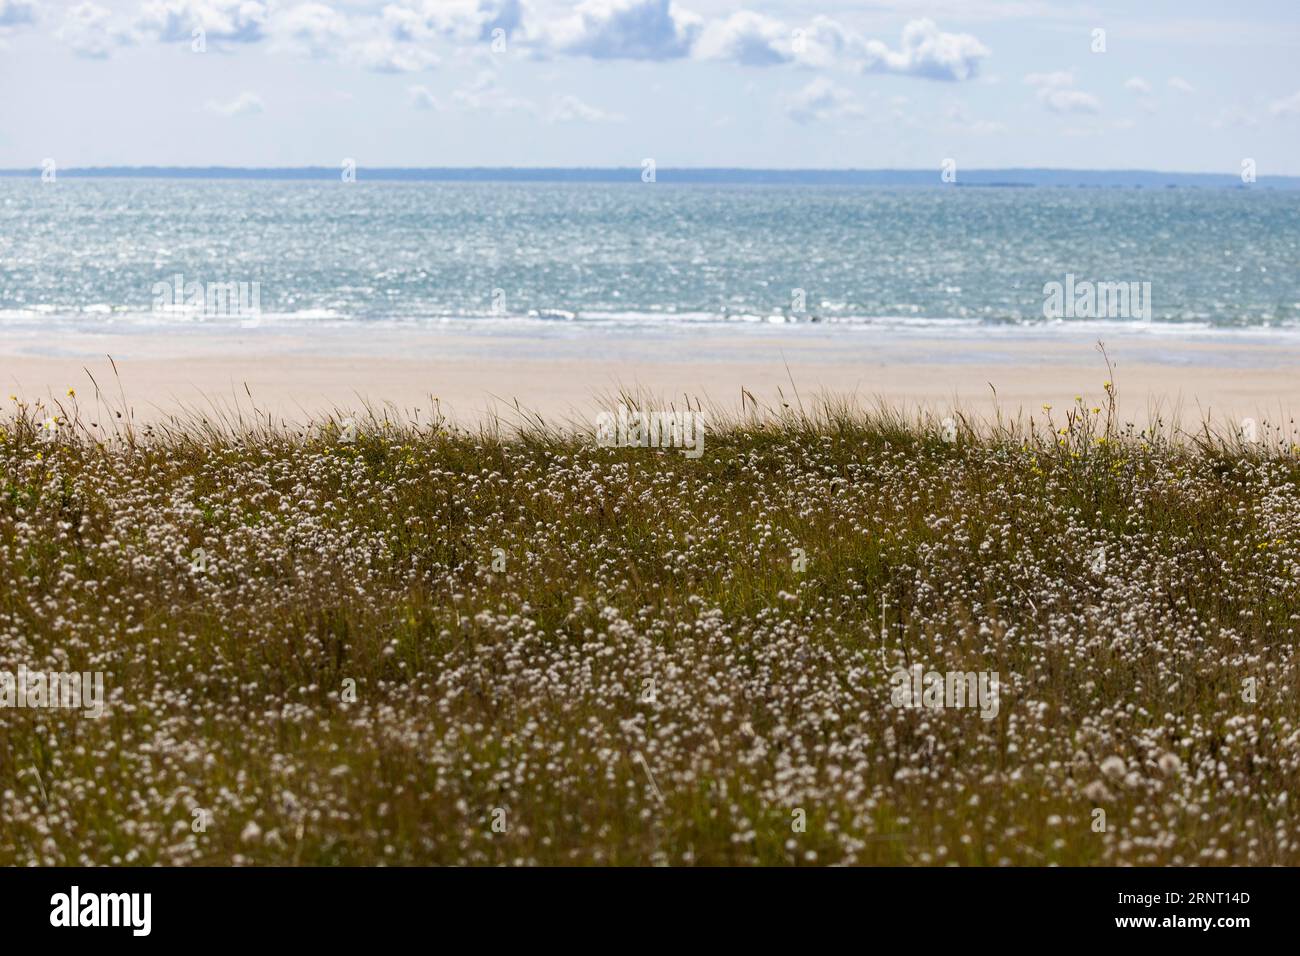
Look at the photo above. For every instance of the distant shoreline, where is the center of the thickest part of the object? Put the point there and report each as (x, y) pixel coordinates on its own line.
(1016, 178)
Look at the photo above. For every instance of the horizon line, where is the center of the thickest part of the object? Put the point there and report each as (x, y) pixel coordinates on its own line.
(984, 176)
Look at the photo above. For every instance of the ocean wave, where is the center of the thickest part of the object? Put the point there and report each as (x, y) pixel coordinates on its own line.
(106, 318)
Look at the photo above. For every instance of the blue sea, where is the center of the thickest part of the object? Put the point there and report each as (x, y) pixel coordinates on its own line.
(90, 254)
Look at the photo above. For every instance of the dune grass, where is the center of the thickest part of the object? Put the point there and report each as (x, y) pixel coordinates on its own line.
(393, 641)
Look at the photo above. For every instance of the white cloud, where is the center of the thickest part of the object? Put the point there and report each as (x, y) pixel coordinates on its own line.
(312, 29)
(825, 45)
(385, 56)
(87, 30)
(400, 36)
(925, 50)
(14, 13)
(463, 20)
(627, 30)
(1071, 101)
(821, 100)
(422, 99)
(1055, 91)
(1180, 85)
(1288, 106)
(484, 95)
(244, 104)
(318, 31)
(570, 109)
(234, 21)
(750, 39)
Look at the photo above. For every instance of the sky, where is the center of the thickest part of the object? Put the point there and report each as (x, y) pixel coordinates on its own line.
(1184, 85)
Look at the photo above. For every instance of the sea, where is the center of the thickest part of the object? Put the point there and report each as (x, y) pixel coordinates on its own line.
(103, 254)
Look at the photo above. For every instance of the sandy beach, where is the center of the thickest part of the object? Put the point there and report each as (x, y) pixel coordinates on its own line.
(567, 373)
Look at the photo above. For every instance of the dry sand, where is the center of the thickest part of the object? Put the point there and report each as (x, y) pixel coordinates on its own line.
(564, 374)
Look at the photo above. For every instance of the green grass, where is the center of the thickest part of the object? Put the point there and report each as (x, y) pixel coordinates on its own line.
(651, 614)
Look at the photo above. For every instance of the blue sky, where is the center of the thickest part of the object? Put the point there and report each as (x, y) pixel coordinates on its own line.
(1185, 86)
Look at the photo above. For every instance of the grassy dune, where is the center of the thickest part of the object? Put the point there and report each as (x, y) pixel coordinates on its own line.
(349, 671)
